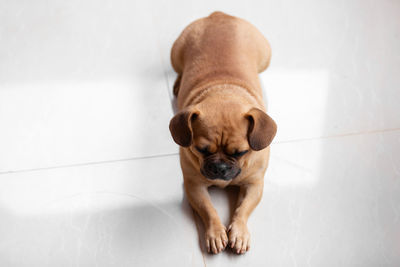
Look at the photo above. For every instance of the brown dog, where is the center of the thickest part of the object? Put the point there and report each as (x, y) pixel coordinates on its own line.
(221, 126)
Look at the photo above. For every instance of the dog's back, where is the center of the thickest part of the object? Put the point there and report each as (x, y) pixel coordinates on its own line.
(218, 47)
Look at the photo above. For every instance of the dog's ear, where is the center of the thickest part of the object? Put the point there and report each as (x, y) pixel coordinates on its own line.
(262, 129)
(180, 127)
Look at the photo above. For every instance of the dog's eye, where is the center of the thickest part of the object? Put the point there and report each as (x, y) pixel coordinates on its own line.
(238, 154)
(204, 151)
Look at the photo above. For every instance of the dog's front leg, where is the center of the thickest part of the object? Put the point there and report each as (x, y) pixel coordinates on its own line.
(199, 199)
(249, 196)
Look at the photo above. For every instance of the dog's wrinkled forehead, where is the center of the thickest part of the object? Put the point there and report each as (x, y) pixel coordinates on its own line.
(225, 126)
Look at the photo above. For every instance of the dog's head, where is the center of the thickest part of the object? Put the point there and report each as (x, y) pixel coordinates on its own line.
(222, 136)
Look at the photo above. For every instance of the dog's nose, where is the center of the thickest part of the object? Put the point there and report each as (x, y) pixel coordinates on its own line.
(219, 168)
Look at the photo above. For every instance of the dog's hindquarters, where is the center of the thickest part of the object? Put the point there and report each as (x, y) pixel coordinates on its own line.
(178, 51)
(226, 43)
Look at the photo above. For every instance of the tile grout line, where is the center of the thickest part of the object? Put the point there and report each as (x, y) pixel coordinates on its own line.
(171, 97)
(88, 163)
(336, 136)
(163, 64)
(175, 154)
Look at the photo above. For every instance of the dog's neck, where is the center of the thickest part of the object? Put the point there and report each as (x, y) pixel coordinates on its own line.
(220, 86)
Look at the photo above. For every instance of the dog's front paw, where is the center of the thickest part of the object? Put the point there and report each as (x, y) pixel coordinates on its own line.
(216, 238)
(239, 237)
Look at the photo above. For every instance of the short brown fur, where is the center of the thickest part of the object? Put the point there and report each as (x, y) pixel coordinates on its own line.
(221, 110)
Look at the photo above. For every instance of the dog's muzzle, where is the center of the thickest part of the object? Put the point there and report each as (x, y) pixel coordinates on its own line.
(219, 170)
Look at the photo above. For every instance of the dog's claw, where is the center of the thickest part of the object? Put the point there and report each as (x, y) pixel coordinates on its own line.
(239, 237)
(216, 238)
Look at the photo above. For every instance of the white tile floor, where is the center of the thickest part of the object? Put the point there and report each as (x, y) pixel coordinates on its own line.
(89, 175)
